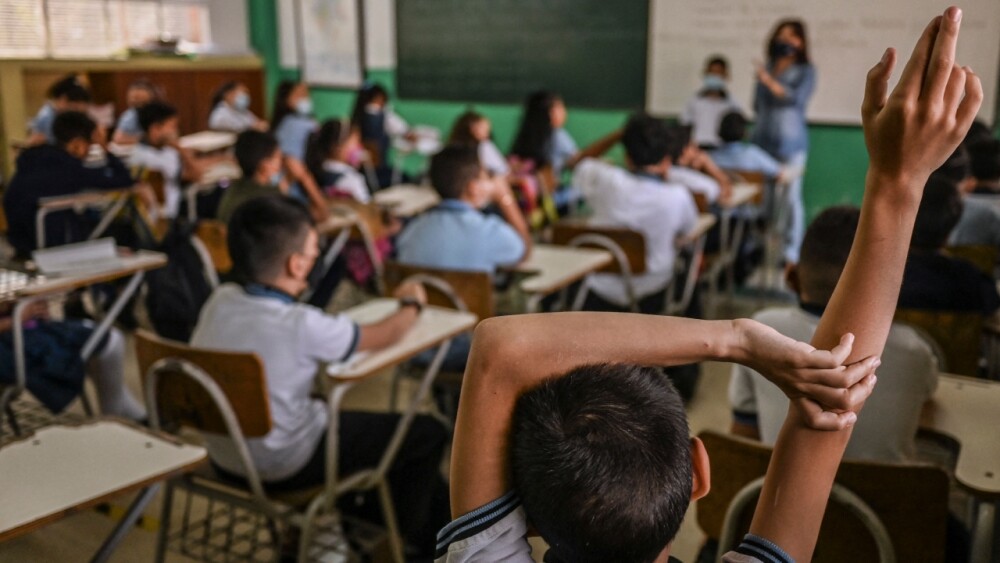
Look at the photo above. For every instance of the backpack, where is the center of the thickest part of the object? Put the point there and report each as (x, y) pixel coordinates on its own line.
(176, 293)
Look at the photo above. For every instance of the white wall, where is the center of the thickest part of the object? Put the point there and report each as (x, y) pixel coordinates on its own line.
(230, 27)
(380, 33)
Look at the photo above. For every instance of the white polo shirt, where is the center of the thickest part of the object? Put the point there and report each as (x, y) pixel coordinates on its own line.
(225, 117)
(166, 161)
(887, 427)
(663, 212)
(292, 340)
(696, 182)
(348, 180)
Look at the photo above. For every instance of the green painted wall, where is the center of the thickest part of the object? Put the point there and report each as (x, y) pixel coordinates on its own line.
(837, 159)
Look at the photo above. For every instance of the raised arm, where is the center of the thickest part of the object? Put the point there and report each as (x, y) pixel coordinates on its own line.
(909, 133)
(595, 149)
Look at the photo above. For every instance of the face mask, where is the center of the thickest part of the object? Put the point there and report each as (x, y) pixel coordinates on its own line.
(242, 101)
(355, 157)
(373, 108)
(304, 106)
(713, 82)
(780, 49)
(275, 178)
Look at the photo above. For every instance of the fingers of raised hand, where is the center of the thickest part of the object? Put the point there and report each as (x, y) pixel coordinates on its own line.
(911, 81)
(877, 88)
(969, 106)
(941, 64)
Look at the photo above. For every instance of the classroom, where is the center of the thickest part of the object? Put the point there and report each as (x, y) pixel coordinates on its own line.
(499, 280)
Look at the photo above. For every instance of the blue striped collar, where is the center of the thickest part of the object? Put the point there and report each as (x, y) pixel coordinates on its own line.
(261, 290)
(454, 205)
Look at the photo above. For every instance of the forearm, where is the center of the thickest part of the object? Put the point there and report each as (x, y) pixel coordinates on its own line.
(387, 331)
(301, 175)
(512, 214)
(596, 149)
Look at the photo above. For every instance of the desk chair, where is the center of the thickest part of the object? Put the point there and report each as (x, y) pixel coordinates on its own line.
(109, 203)
(211, 236)
(225, 393)
(771, 210)
(452, 289)
(878, 511)
(958, 336)
(984, 256)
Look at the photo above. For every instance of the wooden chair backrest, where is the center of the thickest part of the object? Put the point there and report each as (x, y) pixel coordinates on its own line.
(984, 256)
(701, 201)
(156, 181)
(958, 334)
(475, 289)
(180, 400)
(213, 234)
(632, 243)
(910, 500)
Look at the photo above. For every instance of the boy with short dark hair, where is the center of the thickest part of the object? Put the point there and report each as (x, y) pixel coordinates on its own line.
(259, 157)
(159, 152)
(603, 489)
(57, 169)
(984, 161)
(704, 110)
(68, 94)
(273, 244)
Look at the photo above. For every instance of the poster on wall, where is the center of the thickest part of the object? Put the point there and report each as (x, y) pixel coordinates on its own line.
(330, 42)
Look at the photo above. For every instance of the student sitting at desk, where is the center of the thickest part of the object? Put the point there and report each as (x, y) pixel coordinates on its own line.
(379, 124)
(291, 123)
(273, 244)
(68, 94)
(58, 169)
(695, 170)
(735, 153)
(333, 157)
(562, 430)
(979, 223)
(140, 92)
(472, 129)
(231, 110)
(259, 158)
(704, 110)
(160, 152)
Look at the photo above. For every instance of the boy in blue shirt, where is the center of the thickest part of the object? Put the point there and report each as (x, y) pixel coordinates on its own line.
(736, 154)
(67, 94)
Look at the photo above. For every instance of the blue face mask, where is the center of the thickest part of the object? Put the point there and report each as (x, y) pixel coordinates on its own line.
(304, 106)
(713, 82)
(242, 101)
(276, 178)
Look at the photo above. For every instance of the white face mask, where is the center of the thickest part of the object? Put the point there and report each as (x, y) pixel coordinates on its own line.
(242, 101)
(304, 106)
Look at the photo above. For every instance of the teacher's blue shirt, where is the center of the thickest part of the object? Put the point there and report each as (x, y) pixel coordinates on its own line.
(781, 121)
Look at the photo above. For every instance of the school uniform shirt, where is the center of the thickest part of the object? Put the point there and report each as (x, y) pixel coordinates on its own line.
(167, 161)
(662, 211)
(42, 122)
(492, 159)
(562, 147)
(704, 114)
(935, 282)
(128, 123)
(343, 179)
(240, 192)
(745, 157)
(979, 225)
(225, 117)
(49, 171)
(887, 427)
(293, 135)
(696, 182)
(498, 532)
(456, 236)
(292, 340)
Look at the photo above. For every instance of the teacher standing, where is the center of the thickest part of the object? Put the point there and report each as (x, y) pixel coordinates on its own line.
(784, 86)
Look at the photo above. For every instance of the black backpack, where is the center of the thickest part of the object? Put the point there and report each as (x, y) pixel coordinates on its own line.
(176, 292)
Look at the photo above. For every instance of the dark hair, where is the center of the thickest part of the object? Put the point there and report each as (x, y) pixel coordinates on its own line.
(452, 169)
(145, 84)
(799, 29)
(601, 459)
(252, 147)
(717, 60)
(978, 131)
(75, 93)
(939, 212)
(984, 159)
(366, 95)
(825, 248)
(957, 168)
(66, 87)
(263, 232)
(461, 131)
(534, 136)
(221, 93)
(648, 140)
(322, 142)
(154, 112)
(281, 108)
(70, 125)
(733, 127)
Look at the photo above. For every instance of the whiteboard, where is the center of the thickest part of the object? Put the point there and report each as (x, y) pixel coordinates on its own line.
(379, 37)
(846, 38)
(330, 42)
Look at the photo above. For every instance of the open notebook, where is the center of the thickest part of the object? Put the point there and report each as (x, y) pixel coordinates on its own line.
(79, 258)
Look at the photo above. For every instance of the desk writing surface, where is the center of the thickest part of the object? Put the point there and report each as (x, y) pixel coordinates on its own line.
(407, 200)
(207, 141)
(968, 410)
(340, 218)
(61, 469)
(555, 267)
(743, 193)
(434, 326)
(701, 227)
(140, 261)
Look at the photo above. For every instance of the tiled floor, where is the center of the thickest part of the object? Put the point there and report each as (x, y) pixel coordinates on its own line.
(76, 538)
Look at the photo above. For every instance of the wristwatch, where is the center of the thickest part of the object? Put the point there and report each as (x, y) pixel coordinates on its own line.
(411, 302)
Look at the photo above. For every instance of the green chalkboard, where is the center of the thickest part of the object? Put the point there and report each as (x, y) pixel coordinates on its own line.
(592, 52)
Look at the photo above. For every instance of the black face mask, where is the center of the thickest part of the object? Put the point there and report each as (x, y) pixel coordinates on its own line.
(780, 49)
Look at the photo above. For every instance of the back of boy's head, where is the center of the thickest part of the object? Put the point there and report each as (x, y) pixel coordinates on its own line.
(733, 127)
(71, 125)
(825, 248)
(253, 147)
(454, 168)
(939, 212)
(69, 88)
(957, 168)
(601, 460)
(978, 131)
(263, 233)
(648, 140)
(984, 160)
(153, 113)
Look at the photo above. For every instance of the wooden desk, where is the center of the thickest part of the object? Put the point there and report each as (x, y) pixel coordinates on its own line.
(61, 470)
(967, 410)
(407, 200)
(208, 141)
(552, 268)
